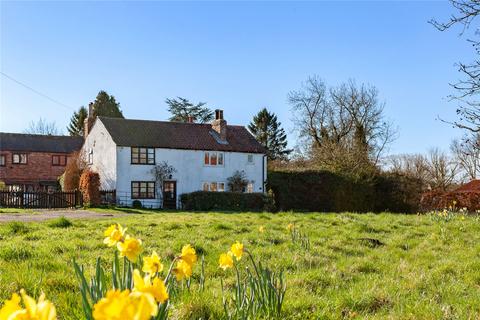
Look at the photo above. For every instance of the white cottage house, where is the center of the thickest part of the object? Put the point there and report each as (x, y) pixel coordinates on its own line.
(125, 152)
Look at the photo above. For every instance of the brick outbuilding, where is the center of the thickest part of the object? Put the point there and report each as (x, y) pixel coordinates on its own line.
(34, 162)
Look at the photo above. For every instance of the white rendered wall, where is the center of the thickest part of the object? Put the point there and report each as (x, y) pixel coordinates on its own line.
(104, 155)
(190, 171)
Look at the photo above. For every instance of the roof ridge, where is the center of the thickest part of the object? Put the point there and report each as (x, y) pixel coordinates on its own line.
(166, 121)
(39, 135)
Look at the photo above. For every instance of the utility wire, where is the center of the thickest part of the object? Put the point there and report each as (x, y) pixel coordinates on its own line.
(37, 92)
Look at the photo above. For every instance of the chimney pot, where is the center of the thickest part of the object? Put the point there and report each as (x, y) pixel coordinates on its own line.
(219, 125)
(190, 119)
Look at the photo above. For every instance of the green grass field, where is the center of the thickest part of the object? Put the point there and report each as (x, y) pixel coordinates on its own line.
(419, 268)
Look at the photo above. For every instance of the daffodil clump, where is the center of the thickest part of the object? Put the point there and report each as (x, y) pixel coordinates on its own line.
(31, 310)
(448, 214)
(255, 294)
(138, 290)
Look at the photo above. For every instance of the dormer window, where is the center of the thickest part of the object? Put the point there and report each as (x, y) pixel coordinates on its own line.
(142, 155)
(213, 158)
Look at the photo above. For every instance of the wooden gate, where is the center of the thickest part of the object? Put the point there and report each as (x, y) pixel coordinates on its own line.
(38, 200)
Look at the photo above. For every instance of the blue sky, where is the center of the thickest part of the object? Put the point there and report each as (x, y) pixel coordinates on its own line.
(238, 56)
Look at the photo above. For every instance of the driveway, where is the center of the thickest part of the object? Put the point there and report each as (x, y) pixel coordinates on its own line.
(41, 215)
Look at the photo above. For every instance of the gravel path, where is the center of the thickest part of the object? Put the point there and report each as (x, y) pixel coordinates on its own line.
(41, 215)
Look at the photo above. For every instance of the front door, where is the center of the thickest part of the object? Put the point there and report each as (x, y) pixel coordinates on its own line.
(169, 194)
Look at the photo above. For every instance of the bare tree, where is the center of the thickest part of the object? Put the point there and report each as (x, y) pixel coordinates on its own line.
(411, 165)
(43, 127)
(343, 127)
(467, 154)
(468, 88)
(442, 170)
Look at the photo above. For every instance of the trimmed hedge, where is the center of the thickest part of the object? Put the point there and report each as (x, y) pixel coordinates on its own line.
(325, 191)
(229, 201)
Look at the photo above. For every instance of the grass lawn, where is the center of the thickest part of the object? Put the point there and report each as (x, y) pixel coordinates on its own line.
(419, 268)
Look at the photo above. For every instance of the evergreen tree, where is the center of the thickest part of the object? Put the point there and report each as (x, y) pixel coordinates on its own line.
(181, 109)
(267, 130)
(75, 127)
(106, 105)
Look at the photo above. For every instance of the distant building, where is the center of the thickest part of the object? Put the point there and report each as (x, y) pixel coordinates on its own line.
(34, 162)
(124, 152)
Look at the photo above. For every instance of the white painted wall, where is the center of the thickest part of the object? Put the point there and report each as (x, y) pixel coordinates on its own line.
(104, 155)
(191, 171)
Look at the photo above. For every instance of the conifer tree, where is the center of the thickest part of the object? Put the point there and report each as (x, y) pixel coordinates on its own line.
(268, 131)
(75, 127)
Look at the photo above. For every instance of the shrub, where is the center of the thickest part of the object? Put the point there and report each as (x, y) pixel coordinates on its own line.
(73, 172)
(90, 187)
(329, 192)
(231, 201)
(137, 204)
(237, 182)
(438, 200)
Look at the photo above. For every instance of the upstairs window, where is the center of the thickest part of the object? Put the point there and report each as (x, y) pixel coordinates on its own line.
(250, 159)
(59, 160)
(141, 155)
(19, 158)
(3, 160)
(213, 158)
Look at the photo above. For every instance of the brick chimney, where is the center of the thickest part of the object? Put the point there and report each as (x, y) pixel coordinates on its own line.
(88, 122)
(190, 119)
(219, 125)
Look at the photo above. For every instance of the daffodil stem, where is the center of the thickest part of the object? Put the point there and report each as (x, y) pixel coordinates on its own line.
(170, 270)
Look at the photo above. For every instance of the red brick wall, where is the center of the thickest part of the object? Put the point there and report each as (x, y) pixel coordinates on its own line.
(38, 168)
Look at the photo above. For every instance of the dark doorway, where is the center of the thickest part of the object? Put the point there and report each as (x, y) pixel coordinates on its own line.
(169, 194)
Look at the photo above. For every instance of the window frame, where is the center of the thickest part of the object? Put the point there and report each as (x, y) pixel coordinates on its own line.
(139, 156)
(139, 193)
(250, 156)
(207, 186)
(59, 157)
(4, 162)
(219, 156)
(19, 154)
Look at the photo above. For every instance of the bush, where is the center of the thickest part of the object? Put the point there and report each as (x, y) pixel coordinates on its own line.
(90, 187)
(73, 172)
(137, 204)
(230, 201)
(325, 191)
(438, 200)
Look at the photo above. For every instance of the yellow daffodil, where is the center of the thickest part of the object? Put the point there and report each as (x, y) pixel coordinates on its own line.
(10, 307)
(41, 310)
(290, 227)
(130, 248)
(142, 306)
(261, 229)
(152, 264)
(114, 234)
(225, 261)
(156, 287)
(182, 270)
(124, 305)
(189, 255)
(237, 250)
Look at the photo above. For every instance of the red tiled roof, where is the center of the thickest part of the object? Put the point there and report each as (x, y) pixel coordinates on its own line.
(179, 135)
(473, 185)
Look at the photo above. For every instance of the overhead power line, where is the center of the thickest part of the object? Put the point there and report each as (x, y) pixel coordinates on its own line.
(36, 91)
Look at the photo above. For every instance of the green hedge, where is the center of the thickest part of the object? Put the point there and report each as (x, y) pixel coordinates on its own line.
(328, 192)
(229, 201)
